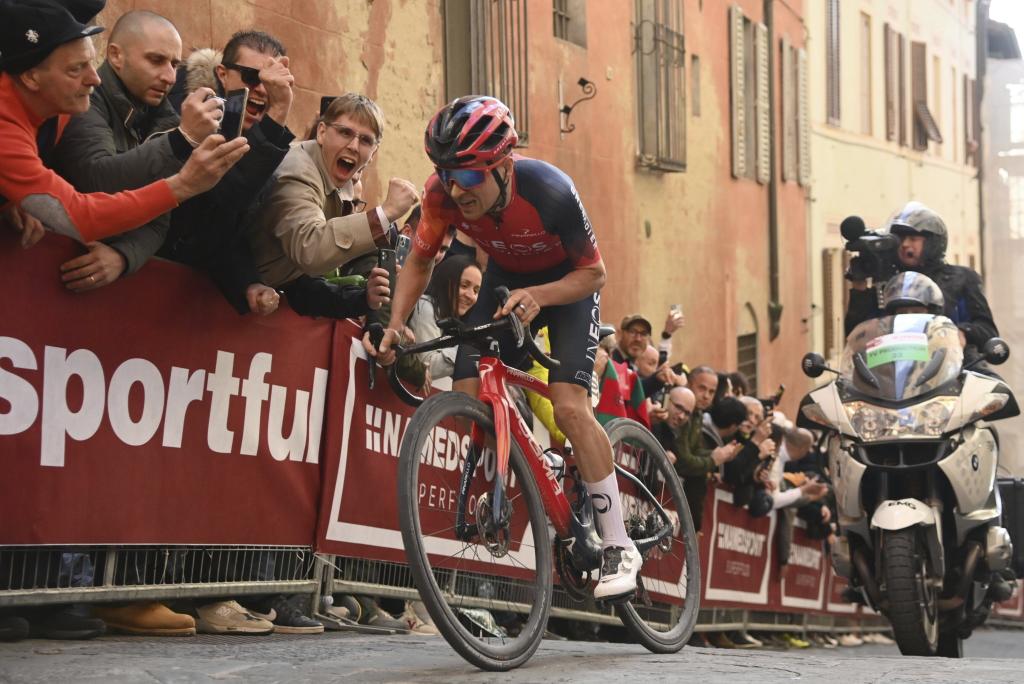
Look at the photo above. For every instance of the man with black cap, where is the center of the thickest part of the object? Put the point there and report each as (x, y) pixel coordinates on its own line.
(923, 239)
(47, 76)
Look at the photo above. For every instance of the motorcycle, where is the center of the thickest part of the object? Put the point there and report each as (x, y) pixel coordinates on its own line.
(913, 461)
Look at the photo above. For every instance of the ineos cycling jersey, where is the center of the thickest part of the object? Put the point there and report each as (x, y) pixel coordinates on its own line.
(543, 225)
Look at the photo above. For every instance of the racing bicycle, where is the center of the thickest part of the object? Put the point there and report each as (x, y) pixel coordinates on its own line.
(476, 493)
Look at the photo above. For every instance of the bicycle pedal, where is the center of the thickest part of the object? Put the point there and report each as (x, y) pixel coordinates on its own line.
(616, 600)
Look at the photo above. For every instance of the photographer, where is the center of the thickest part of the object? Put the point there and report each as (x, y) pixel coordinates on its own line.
(919, 245)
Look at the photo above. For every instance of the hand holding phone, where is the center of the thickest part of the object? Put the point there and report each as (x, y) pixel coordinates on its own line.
(233, 122)
(402, 248)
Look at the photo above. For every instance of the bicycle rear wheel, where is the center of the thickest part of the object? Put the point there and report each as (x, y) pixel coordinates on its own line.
(489, 587)
(663, 613)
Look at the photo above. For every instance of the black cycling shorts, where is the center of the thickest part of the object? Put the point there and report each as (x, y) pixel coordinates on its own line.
(572, 328)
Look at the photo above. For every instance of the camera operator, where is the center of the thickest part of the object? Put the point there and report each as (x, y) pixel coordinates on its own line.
(920, 245)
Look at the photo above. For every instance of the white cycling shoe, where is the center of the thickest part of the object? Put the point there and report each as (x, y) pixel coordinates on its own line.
(618, 573)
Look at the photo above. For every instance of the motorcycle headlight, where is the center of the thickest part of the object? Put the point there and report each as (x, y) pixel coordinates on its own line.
(870, 422)
(923, 420)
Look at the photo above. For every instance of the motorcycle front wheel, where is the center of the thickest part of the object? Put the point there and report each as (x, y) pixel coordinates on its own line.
(913, 601)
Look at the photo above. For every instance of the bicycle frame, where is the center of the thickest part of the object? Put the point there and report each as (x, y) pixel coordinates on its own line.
(508, 424)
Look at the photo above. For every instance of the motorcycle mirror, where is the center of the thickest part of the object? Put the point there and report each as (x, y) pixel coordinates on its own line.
(813, 365)
(996, 351)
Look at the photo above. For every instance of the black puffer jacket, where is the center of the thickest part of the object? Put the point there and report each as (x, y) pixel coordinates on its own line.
(965, 304)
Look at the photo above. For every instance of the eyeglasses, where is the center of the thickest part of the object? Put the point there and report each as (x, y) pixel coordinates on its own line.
(249, 75)
(682, 409)
(637, 332)
(464, 178)
(347, 134)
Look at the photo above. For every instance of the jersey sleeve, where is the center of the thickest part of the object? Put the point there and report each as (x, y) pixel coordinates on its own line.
(26, 182)
(433, 224)
(572, 225)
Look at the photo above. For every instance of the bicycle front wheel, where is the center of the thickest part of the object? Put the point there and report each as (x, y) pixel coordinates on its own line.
(663, 613)
(485, 575)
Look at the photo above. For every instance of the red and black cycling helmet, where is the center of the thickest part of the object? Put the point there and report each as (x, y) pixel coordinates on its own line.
(471, 132)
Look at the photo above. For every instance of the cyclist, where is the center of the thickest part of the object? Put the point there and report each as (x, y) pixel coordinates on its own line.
(525, 216)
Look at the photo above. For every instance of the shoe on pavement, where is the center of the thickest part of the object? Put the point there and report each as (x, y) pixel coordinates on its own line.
(227, 617)
(830, 640)
(720, 640)
(146, 618)
(618, 573)
(794, 641)
(13, 628)
(289, 618)
(850, 639)
(415, 624)
(349, 603)
(74, 621)
(699, 640)
(741, 640)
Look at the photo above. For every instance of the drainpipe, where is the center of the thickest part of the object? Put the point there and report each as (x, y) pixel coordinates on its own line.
(980, 67)
(774, 305)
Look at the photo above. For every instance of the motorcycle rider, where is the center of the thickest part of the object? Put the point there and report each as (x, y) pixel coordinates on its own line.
(922, 248)
(910, 292)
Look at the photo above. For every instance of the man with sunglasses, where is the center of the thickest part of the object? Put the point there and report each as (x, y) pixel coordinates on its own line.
(527, 219)
(208, 233)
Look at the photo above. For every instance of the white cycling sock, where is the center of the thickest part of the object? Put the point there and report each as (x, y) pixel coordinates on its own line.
(605, 496)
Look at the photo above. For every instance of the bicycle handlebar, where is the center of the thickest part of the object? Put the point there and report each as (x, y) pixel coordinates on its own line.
(456, 333)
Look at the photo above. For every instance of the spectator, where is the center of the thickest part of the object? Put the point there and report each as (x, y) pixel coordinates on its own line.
(453, 289)
(109, 148)
(694, 462)
(300, 231)
(722, 422)
(755, 434)
(635, 336)
(208, 233)
(681, 403)
(47, 77)
(740, 384)
(795, 445)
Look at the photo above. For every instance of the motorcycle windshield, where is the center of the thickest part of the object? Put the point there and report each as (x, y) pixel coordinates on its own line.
(900, 357)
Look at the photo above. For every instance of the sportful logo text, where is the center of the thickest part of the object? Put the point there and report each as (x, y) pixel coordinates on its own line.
(162, 404)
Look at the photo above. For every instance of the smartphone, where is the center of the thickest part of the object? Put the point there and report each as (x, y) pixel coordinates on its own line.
(234, 113)
(676, 309)
(402, 249)
(325, 102)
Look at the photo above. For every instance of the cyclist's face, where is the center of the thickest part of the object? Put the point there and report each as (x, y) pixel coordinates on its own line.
(469, 290)
(476, 201)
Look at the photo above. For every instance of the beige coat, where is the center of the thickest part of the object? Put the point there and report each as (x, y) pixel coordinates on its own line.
(299, 228)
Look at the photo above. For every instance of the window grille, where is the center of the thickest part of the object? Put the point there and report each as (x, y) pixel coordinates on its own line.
(659, 51)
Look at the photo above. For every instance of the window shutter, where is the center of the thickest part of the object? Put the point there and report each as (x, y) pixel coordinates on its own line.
(739, 124)
(788, 113)
(890, 83)
(764, 105)
(803, 131)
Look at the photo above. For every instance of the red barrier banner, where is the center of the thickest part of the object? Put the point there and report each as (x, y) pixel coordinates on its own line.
(741, 552)
(359, 509)
(803, 579)
(149, 411)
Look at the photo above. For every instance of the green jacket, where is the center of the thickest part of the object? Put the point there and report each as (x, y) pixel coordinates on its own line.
(692, 458)
(113, 147)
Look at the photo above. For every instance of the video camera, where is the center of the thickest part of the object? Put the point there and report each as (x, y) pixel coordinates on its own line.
(876, 252)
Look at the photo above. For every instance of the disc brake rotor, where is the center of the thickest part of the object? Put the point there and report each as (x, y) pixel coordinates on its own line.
(496, 537)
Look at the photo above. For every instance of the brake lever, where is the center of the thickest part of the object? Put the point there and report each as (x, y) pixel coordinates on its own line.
(517, 325)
